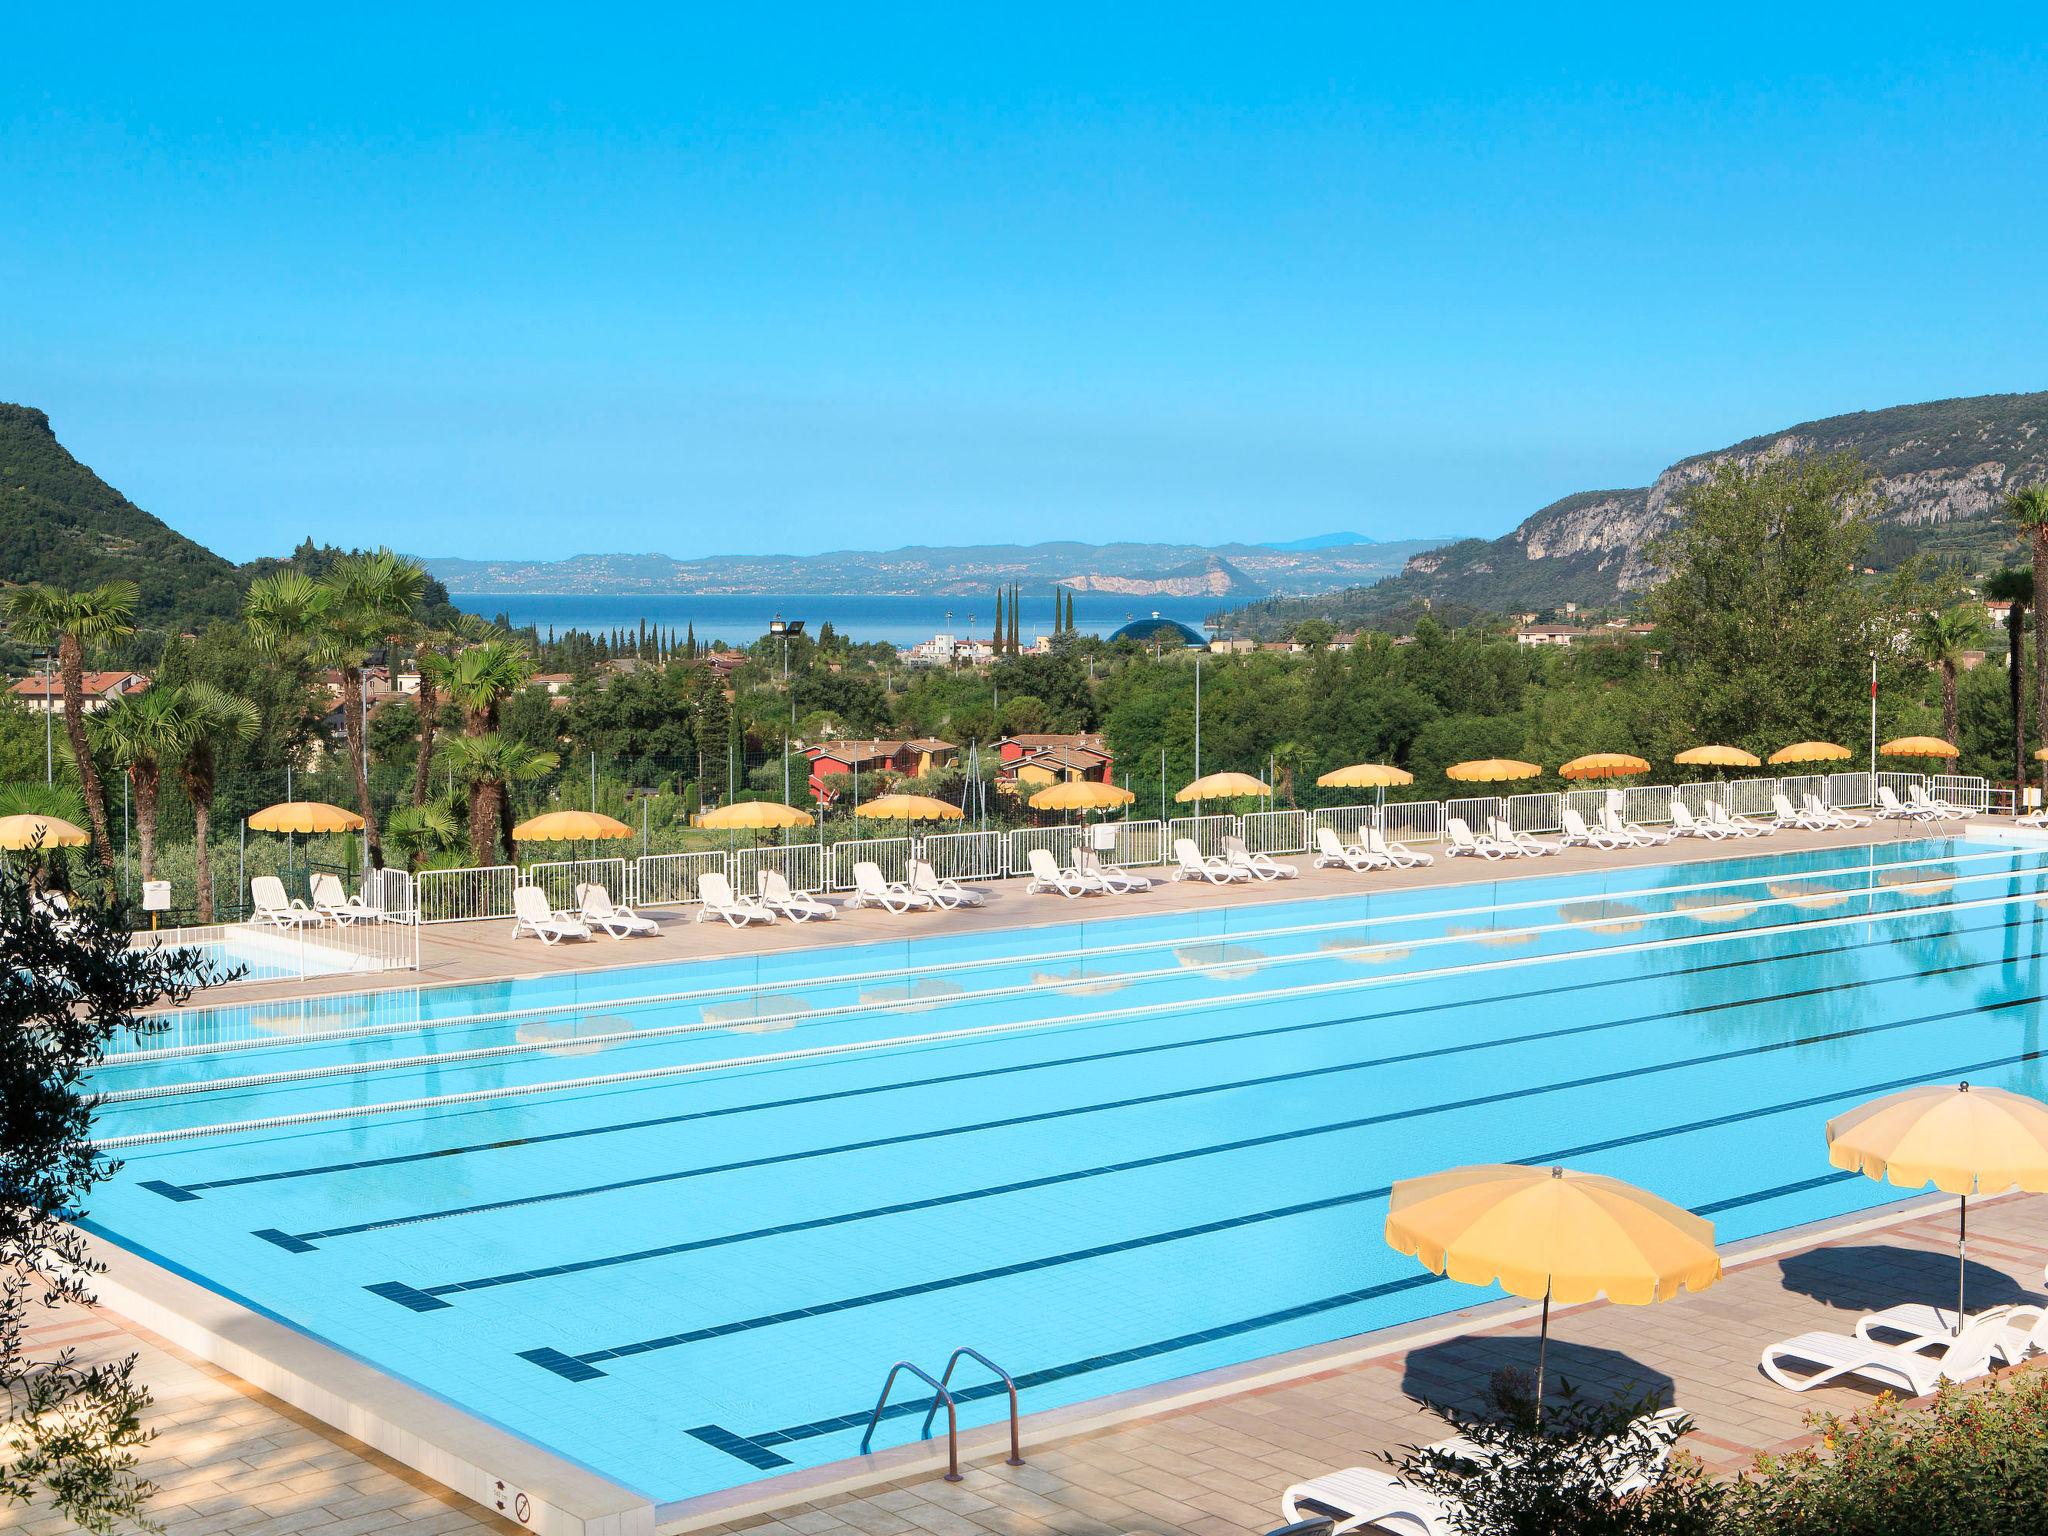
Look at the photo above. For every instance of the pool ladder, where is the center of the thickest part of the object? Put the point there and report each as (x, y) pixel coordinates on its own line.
(941, 1393)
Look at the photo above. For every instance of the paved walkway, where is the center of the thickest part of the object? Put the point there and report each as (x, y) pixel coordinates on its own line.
(233, 1460)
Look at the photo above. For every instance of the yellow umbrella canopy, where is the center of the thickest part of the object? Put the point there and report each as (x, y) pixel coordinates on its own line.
(1554, 1233)
(909, 808)
(1223, 786)
(1366, 776)
(1718, 757)
(753, 815)
(1080, 795)
(1809, 752)
(1918, 746)
(1604, 765)
(1491, 770)
(305, 816)
(569, 827)
(1963, 1140)
(18, 832)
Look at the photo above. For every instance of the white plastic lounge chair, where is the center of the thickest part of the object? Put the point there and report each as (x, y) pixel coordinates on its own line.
(1332, 854)
(1263, 866)
(1633, 834)
(56, 906)
(1521, 842)
(594, 905)
(1046, 875)
(1464, 845)
(2023, 1328)
(1120, 881)
(270, 908)
(1400, 855)
(331, 901)
(531, 914)
(1362, 1496)
(1578, 835)
(1889, 808)
(1945, 810)
(716, 899)
(1743, 826)
(871, 890)
(1683, 824)
(2038, 820)
(1836, 1355)
(1834, 815)
(797, 906)
(947, 893)
(1190, 863)
(1806, 820)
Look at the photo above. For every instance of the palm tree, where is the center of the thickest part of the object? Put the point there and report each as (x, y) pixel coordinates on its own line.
(482, 676)
(145, 734)
(1939, 639)
(215, 719)
(421, 831)
(434, 649)
(1290, 759)
(2015, 586)
(374, 598)
(2027, 508)
(75, 620)
(488, 765)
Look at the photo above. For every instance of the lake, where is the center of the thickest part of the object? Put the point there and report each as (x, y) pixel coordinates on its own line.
(742, 619)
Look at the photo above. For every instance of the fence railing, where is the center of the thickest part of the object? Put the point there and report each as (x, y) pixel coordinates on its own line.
(671, 879)
(259, 952)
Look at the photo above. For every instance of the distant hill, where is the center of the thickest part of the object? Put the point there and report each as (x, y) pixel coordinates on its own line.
(1322, 541)
(62, 524)
(1942, 468)
(1226, 571)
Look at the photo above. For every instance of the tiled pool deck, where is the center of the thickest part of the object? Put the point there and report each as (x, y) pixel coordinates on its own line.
(232, 1460)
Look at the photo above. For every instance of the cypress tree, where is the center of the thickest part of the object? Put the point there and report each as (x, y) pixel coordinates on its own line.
(1016, 601)
(998, 641)
(690, 639)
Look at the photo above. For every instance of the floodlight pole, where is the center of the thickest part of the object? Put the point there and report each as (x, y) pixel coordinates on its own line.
(1198, 716)
(49, 724)
(1873, 727)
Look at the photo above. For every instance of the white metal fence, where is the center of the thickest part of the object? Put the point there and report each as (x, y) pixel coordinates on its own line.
(1276, 832)
(1207, 832)
(965, 855)
(670, 879)
(1137, 842)
(465, 895)
(260, 952)
(559, 879)
(1535, 813)
(1476, 811)
(1849, 790)
(891, 854)
(801, 864)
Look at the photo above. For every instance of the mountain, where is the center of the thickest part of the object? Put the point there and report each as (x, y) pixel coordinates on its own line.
(1941, 467)
(1322, 541)
(62, 524)
(1236, 571)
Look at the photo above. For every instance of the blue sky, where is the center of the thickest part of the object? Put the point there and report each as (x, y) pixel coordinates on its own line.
(539, 280)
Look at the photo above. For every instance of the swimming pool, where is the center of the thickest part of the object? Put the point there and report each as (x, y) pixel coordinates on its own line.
(675, 1222)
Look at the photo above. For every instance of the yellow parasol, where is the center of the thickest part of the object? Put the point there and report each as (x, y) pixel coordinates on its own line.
(1491, 770)
(1366, 776)
(1604, 765)
(1223, 786)
(1810, 752)
(1553, 1233)
(1718, 757)
(1963, 1140)
(1080, 795)
(909, 808)
(305, 816)
(1918, 746)
(28, 831)
(569, 827)
(753, 815)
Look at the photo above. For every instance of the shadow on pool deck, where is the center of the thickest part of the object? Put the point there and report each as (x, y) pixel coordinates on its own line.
(1456, 1372)
(1868, 1277)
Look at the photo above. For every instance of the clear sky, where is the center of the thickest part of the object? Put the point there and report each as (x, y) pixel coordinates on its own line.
(536, 280)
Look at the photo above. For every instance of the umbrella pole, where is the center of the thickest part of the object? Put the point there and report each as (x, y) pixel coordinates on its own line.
(1962, 1253)
(1542, 1352)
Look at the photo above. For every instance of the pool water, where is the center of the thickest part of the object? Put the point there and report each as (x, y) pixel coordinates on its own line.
(675, 1222)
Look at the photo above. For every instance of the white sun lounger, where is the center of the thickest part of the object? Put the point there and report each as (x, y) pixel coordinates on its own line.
(797, 906)
(1788, 816)
(270, 908)
(532, 914)
(1400, 855)
(871, 890)
(1683, 824)
(947, 893)
(1464, 845)
(1522, 842)
(1946, 810)
(1190, 863)
(1333, 854)
(2023, 1328)
(1263, 866)
(1838, 1355)
(716, 899)
(1743, 826)
(1120, 881)
(594, 905)
(1046, 875)
(1890, 808)
(1833, 815)
(331, 901)
(1632, 834)
(1578, 835)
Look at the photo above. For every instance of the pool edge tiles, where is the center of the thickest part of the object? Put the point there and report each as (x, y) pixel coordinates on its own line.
(502, 1471)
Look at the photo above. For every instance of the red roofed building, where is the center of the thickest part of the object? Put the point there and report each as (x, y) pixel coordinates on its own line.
(100, 689)
(1046, 757)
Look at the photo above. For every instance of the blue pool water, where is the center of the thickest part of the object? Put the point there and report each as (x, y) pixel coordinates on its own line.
(675, 1222)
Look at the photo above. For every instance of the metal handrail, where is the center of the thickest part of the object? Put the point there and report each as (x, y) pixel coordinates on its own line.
(946, 1377)
(952, 1418)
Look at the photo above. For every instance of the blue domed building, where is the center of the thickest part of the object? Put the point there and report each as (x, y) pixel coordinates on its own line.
(1162, 631)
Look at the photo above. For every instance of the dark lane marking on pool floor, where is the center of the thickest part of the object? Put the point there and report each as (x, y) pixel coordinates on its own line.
(586, 1363)
(188, 1190)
